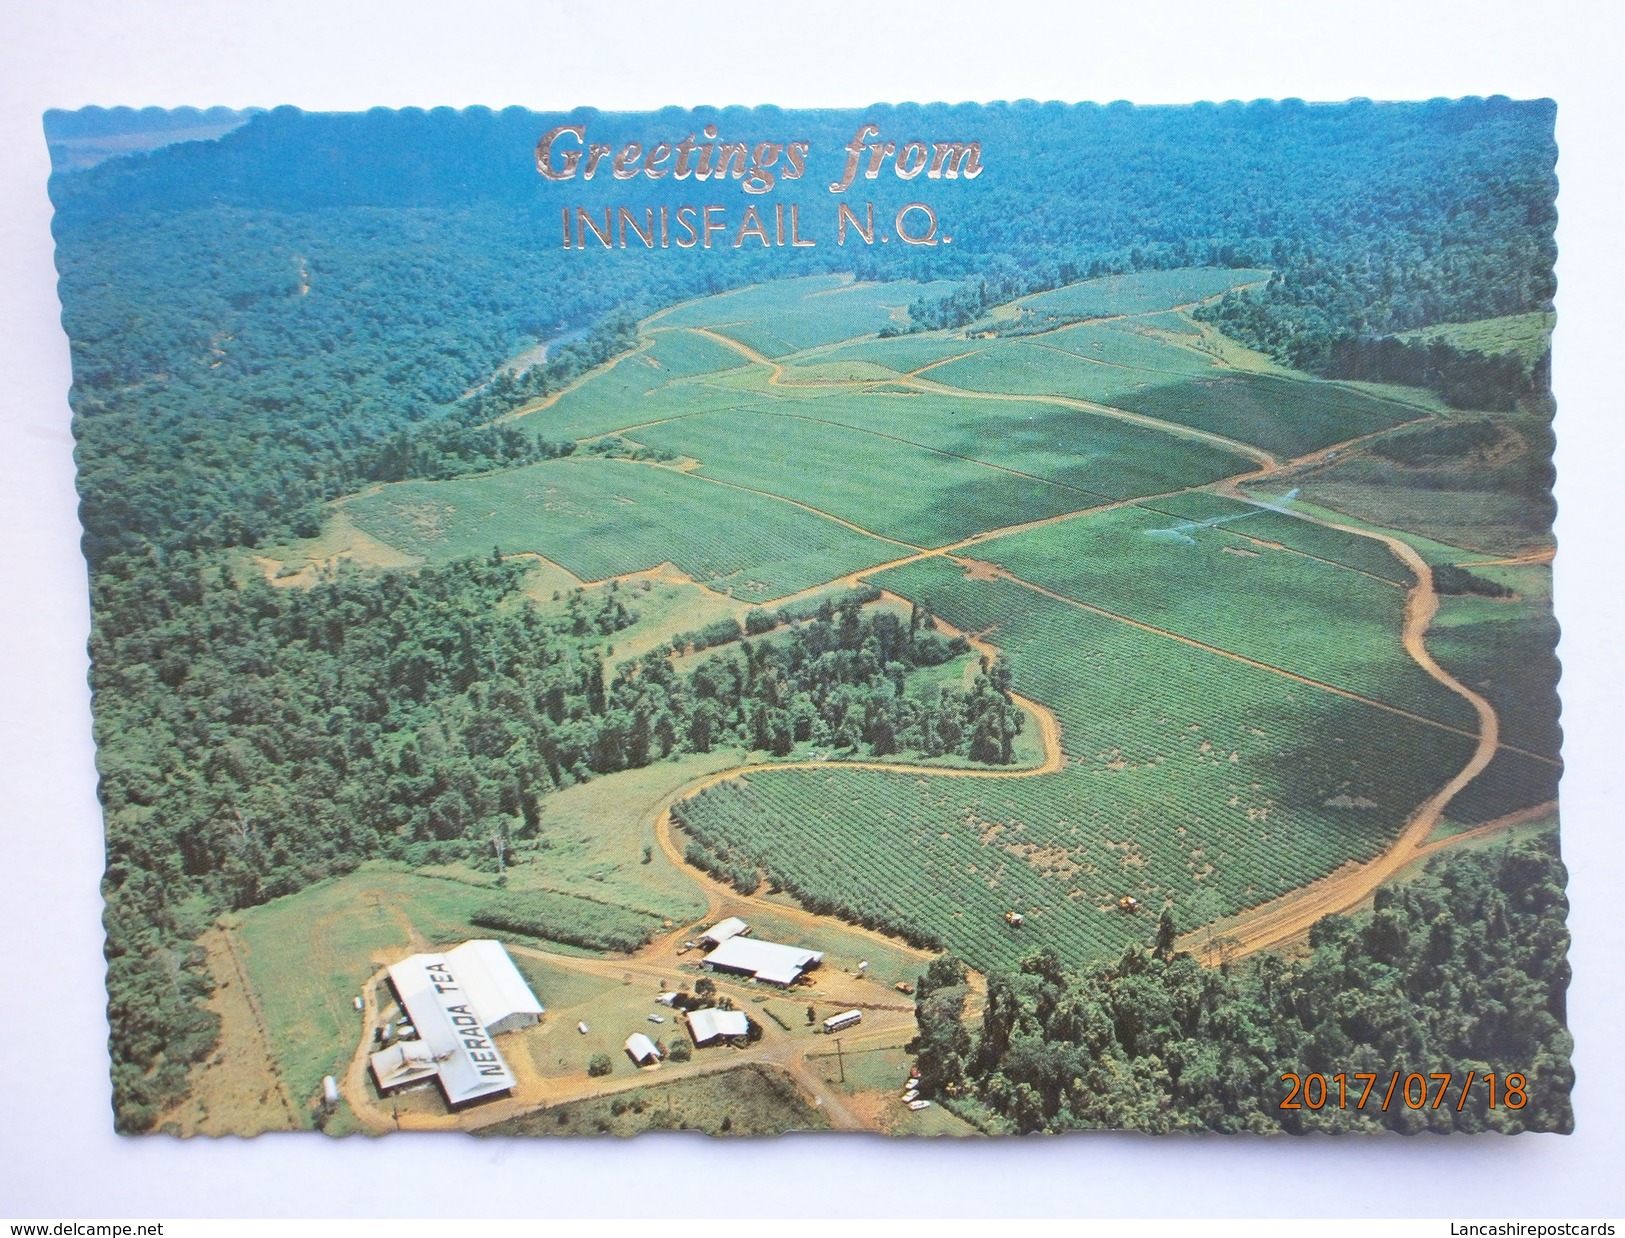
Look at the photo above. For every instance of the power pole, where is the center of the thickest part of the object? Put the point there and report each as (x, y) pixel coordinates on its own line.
(839, 1057)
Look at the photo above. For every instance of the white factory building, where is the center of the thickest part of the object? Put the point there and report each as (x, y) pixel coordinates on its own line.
(763, 960)
(457, 1001)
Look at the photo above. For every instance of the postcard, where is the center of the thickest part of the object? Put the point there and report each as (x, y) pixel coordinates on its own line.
(938, 620)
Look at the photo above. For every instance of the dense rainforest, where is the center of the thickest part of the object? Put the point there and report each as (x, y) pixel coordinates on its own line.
(1462, 970)
(311, 303)
(271, 737)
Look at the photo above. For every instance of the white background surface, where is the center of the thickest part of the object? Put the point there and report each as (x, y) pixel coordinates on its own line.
(58, 1156)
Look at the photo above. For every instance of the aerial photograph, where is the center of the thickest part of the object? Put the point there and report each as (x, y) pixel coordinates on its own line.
(936, 620)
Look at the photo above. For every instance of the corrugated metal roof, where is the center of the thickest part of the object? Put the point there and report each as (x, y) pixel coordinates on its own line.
(492, 981)
(641, 1047)
(711, 1023)
(443, 1013)
(722, 930)
(767, 960)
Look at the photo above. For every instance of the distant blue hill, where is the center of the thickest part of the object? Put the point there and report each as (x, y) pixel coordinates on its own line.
(93, 135)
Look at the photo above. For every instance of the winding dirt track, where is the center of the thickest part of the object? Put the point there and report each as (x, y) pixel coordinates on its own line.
(1049, 729)
(1270, 924)
(1284, 919)
(1291, 916)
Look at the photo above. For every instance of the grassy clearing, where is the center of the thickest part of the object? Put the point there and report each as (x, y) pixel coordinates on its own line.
(308, 955)
(297, 563)
(1210, 584)
(1191, 779)
(547, 582)
(612, 1010)
(599, 518)
(596, 834)
(1528, 336)
(749, 1101)
(666, 607)
(876, 1079)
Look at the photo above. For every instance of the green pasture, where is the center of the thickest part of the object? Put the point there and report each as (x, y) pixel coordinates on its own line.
(1528, 336)
(599, 518)
(309, 954)
(595, 835)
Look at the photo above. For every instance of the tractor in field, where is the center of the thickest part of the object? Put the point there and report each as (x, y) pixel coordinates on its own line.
(1014, 919)
(1128, 903)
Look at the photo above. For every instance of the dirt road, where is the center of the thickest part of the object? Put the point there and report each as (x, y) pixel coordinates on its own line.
(1291, 916)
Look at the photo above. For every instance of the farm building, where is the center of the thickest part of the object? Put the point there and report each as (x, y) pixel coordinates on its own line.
(706, 1026)
(456, 1001)
(642, 1050)
(500, 995)
(720, 932)
(763, 960)
(402, 1063)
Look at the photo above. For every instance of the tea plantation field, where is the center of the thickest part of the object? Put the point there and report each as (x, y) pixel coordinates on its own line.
(793, 314)
(1190, 778)
(898, 489)
(1302, 614)
(600, 518)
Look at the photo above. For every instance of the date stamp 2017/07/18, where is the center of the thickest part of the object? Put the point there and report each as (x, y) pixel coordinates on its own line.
(1413, 1090)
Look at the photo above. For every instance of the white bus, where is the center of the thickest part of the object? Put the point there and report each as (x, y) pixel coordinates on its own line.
(845, 1019)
